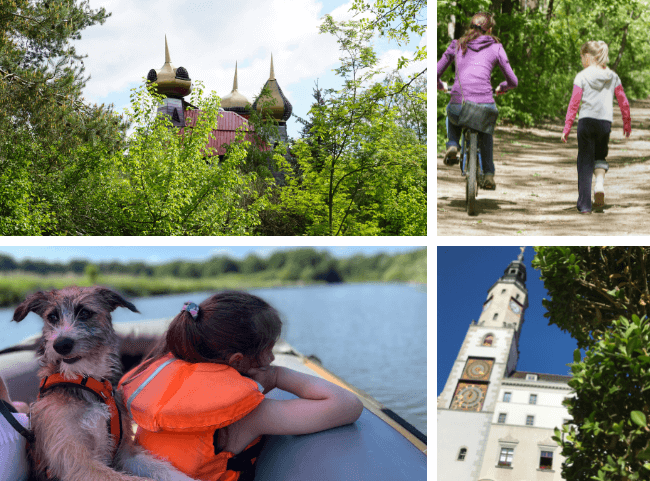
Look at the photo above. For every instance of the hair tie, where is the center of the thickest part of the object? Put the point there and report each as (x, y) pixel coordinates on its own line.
(192, 308)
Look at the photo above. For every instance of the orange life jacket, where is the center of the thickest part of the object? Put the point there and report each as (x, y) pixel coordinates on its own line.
(179, 408)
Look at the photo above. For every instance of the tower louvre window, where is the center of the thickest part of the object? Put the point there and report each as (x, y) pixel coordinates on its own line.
(461, 454)
(495, 316)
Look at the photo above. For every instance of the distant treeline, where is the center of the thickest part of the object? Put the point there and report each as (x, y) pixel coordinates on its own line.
(302, 264)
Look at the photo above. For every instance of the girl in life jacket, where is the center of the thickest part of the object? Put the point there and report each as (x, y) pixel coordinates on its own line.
(196, 400)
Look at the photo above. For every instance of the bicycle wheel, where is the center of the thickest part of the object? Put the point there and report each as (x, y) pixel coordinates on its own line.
(472, 174)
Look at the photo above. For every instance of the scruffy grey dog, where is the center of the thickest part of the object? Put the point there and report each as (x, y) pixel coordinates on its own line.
(70, 424)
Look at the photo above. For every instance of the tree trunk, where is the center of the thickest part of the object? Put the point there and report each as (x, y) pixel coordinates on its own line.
(620, 50)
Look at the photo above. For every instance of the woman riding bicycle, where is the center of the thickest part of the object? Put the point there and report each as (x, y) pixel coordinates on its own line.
(476, 55)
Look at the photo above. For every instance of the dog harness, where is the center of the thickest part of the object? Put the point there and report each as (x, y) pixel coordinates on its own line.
(103, 391)
(179, 408)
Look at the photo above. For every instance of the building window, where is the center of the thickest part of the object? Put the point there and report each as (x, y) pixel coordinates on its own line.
(517, 297)
(506, 397)
(488, 340)
(502, 418)
(461, 454)
(495, 316)
(530, 420)
(546, 460)
(503, 291)
(531, 377)
(505, 458)
(533, 399)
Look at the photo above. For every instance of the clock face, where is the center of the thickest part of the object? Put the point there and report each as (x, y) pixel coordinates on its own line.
(514, 307)
(469, 397)
(478, 369)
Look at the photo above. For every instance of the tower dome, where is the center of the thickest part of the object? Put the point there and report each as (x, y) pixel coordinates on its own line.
(235, 101)
(280, 109)
(171, 82)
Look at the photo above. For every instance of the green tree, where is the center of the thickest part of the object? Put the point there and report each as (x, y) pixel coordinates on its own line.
(92, 272)
(168, 184)
(608, 437)
(345, 167)
(590, 287)
(600, 295)
(50, 138)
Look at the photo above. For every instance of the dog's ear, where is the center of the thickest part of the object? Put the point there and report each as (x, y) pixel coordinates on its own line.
(36, 302)
(113, 299)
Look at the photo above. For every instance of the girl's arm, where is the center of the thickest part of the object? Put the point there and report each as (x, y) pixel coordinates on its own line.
(322, 405)
(574, 105)
(511, 79)
(624, 105)
(446, 60)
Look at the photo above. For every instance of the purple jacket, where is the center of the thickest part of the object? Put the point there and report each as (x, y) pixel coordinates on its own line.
(475, 67)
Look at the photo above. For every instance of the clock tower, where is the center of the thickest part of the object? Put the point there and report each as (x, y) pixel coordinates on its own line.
(488, 354)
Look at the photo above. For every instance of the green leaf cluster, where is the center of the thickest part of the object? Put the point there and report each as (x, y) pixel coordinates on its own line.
(609, 438)
(590, 287)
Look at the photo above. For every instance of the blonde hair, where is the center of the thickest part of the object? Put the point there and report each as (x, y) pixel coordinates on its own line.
(598, 50)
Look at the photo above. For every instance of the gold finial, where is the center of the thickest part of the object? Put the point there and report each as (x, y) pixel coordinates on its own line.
(272, 77)
(520, 257)
(234, 85)
(167, 59)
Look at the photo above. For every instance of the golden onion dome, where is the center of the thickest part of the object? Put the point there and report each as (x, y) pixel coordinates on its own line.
(235, 101)
(170, 81)
(280, 108)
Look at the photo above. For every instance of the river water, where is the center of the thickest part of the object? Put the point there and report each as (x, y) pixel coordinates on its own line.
(371, 335)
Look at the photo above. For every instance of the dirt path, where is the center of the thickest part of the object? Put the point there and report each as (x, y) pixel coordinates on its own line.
(537, 185)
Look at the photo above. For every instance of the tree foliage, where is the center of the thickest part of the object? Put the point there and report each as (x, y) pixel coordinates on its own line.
(600, 296)
(356, 157)
(167, 183)
(609, 439)
(590, 287)
(46, 127)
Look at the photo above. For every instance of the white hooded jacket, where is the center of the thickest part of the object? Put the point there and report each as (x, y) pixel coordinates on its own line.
(597, 86)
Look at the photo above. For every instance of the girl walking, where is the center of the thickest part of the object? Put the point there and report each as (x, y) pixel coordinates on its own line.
(196, 401)
(477, 53)
(596, 87)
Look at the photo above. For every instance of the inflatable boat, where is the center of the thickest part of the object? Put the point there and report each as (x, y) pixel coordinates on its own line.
(380, 445)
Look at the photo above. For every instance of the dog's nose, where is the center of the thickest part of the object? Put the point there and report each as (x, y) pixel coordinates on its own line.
(63, 346)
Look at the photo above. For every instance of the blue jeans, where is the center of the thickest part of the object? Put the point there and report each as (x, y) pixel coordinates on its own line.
(485, 141)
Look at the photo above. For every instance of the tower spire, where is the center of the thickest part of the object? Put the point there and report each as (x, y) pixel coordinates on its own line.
(272, 76)
(234, 85)
(520, 257)
(167, 58)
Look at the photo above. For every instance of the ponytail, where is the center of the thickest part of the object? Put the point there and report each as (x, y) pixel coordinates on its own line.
(480, 24)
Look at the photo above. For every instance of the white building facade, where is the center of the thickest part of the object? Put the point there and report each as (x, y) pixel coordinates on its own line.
(494, 423)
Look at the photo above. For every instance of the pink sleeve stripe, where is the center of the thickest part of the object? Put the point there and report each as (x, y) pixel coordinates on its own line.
(572, 111)
(624, 105)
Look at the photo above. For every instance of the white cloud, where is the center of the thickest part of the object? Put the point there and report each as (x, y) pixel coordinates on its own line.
(207, 38)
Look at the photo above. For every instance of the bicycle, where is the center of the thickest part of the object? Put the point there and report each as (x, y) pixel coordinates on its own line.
(470, 165)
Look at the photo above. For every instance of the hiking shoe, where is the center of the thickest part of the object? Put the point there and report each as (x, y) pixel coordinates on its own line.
(599, 201)
(488, 182)
(451, 157)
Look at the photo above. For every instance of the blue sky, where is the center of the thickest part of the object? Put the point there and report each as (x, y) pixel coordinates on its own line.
(464, 276)
(207, 38)
(159, 254)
